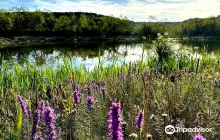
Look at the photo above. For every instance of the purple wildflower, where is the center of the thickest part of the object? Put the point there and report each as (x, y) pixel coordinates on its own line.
(39, 137)
(103, 92)
(78, 88)
(74, 112)
(23, 104)
(56, 102)
(97, 88)
(199, 137)
(114, 122)
(89, 102)
(76, 97)
(41, 106)
(37, 116)
(140, 120)
(89, 90)
(35, 125)
(49, 120)
(71, 83)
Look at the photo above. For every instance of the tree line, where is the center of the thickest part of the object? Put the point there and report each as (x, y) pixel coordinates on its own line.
(20, 21)
(196, 27)
(24, 22)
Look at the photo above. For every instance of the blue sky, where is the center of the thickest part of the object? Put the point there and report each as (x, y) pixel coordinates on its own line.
(137, 10)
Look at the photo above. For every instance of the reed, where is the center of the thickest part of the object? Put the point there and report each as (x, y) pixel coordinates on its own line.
(176, 93)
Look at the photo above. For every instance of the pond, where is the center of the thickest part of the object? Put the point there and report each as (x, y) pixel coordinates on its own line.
(211, 45)
(80, 54)
(84, 54)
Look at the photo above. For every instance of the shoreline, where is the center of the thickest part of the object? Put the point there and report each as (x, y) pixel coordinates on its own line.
(28, 41)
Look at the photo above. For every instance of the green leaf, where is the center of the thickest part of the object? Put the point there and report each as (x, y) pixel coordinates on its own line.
(19, 122)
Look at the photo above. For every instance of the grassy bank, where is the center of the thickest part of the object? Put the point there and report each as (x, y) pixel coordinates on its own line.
(172, 87)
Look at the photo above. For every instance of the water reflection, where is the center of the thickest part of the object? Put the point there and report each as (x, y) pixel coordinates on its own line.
(86, 54)
(211, 45)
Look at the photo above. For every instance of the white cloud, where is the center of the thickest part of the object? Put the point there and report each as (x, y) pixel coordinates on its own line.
(172, 10)
(4, 2)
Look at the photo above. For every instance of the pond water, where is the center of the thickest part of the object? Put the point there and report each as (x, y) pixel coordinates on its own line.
(84, 54)
(81, 54)
(211, 45)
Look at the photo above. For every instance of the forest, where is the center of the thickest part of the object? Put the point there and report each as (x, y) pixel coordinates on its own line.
(20, 21)
(39, 23)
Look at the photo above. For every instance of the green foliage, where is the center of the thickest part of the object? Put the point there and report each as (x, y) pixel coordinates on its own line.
(196, 27)
(5, 22)
(19, 122)
(20, 21)
(152, 28)
(63, 23)
(177, 90)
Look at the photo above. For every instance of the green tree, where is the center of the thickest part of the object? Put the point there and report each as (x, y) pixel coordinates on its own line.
(63, 23)
(5, 21)
(83, 25)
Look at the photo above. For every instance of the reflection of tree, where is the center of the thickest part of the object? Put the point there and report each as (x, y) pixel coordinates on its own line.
(50, 55)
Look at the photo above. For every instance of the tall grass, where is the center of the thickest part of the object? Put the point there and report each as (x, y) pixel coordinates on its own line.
(183, 89)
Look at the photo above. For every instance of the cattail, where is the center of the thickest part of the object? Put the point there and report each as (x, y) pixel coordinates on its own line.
(89, 102)
(76, 97)
(23, 105)
(198, 137)
(140, 120)
(49, 120)
(114, 122)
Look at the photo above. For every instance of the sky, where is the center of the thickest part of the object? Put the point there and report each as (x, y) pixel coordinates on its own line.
(136, 10)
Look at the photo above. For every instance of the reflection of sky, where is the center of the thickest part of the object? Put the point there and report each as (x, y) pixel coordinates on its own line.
(124, 53)
(133, 53)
